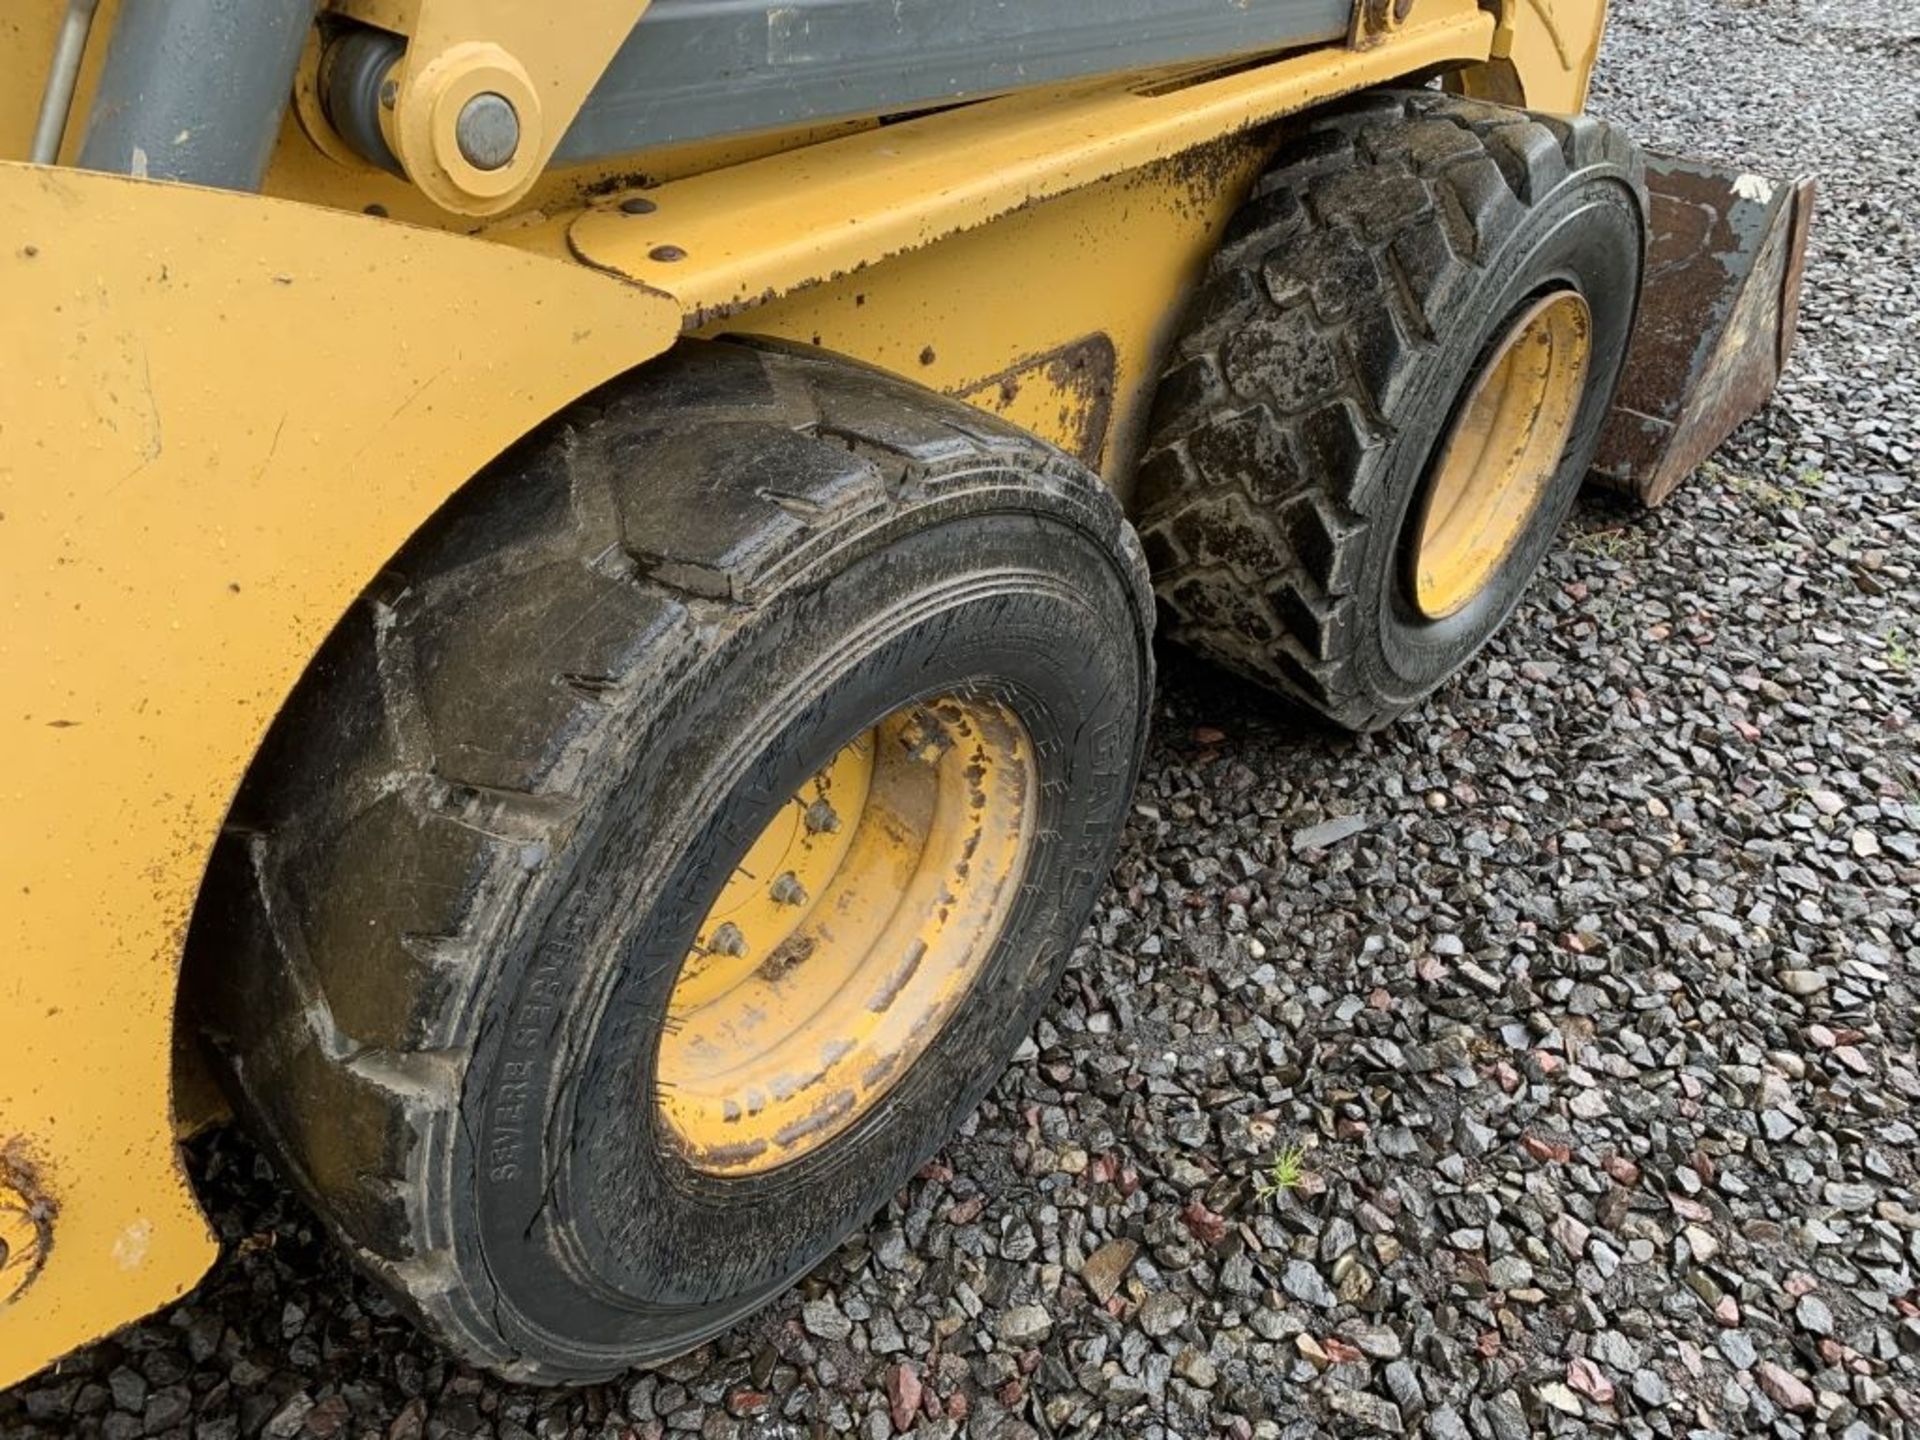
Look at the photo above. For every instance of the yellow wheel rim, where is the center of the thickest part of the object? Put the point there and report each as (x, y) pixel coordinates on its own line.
(848, 937)
(1502, 452)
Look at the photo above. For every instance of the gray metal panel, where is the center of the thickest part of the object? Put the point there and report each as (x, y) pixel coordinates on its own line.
(698, 68)
(194, 89)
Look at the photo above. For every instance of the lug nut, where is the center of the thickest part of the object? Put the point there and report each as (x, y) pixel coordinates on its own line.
(787, 890)
(727, 940)
(925, 738)
(488, 131)
(822, 818)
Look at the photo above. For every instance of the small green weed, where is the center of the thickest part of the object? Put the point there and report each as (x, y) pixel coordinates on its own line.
(1762, 493)
(1609, 544)
(1898, 657)
(1285, 1171)
(1788, 492)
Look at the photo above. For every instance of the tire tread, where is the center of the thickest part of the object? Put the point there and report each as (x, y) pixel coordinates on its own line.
(1326, 294)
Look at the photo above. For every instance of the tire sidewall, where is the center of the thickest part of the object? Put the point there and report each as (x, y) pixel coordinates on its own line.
(567, 1201)
(1587, 234)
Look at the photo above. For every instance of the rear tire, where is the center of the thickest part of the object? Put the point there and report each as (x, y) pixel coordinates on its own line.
(1356, 297)
(440, 938)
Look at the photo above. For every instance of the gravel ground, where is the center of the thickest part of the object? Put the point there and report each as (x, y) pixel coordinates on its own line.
(1579, 1013)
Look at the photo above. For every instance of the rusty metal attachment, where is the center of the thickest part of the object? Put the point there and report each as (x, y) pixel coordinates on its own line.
(1717, 320)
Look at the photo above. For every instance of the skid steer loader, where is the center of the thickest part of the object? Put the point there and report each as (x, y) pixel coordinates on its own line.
(578, 581)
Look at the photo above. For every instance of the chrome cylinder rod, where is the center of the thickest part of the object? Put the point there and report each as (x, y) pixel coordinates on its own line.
(62, 75)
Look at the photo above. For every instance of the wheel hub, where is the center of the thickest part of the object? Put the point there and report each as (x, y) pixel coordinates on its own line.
(1501, 453)
(848, 936)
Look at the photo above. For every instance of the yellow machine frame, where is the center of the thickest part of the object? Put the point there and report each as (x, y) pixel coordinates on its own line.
(220, 414)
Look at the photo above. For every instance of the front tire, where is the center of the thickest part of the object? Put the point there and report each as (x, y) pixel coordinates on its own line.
(477, 948)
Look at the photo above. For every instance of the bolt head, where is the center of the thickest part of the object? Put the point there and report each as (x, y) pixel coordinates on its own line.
(488, 131)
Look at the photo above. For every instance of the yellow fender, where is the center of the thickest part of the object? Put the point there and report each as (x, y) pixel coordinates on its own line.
(213, 433)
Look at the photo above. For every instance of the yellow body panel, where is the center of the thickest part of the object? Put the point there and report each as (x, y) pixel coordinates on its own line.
(727, 239)
(220, 415)
(1069, 346)
(211, 438)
